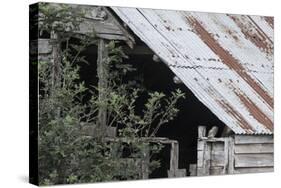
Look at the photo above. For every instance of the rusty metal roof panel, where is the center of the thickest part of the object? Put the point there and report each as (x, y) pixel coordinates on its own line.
(225, 60)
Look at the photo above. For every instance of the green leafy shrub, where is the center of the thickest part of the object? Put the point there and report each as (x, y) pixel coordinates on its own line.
(66, 153)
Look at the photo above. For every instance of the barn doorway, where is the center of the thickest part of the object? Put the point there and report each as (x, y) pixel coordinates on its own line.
(156, 76)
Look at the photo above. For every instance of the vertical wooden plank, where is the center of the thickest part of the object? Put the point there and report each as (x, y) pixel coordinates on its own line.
(193, 169)
(230, 155)
(56, 58)
(203, 159)
(201, 149)
(200, 156)
(207, 159)
(145, 163)
(201, 131)
(102, 71)
(56, 64)
(226, 155)
(174, 162)
(174, 157)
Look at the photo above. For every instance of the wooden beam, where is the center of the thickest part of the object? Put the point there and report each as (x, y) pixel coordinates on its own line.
(138, 50)
(253, 139)
(254, 160)
(253, 170)
(130, 40)
(254, 148)
(102, 71)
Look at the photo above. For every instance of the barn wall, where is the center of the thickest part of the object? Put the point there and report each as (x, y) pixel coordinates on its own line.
(234, 155)
(253, 153)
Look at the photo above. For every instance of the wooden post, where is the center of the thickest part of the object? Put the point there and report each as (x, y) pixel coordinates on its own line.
(226, 156)
(145, 163)
(201, 131)
(102, 72)
(207, 159)
(56, 59)
(174, 170)
(174, 157)
(203, 153)
(56, 66)
(231, 155)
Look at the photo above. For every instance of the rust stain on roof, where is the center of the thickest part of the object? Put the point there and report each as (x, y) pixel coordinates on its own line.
(228, 65)
(242, 122)
(255, 111)
(228, 59)
(270, 21)
(251, 31)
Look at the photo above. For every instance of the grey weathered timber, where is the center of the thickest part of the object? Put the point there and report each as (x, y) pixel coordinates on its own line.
(201, 131)
(101, 23)
(177, 173)
(145, 163)
(193, 169)
(226, 156)
(174, 158)
(254, 160)
(253, 139)
(216, 170)
(102, 72)
(173, 171)
(56, 58)
(105, 26)
(201, 149)
(254, 148)
(218, 158)
(203, 158)
(129, 37)
(213, 132)
(43, 48)
(212, 156)
(254, 170)
(207, 159)
(230, 155)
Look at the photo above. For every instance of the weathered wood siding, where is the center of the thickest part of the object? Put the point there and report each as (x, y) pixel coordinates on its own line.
(212, 157)
(253, 153)
(234, 155)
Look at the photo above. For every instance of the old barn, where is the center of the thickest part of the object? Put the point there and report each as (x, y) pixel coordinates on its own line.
(224, 64)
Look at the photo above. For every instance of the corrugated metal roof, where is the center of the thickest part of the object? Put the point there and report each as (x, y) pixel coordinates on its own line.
(225, 60)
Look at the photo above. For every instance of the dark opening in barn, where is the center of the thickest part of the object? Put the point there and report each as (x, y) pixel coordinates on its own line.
(156, 76)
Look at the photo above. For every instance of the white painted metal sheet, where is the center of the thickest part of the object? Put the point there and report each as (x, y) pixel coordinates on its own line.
(225, 60)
